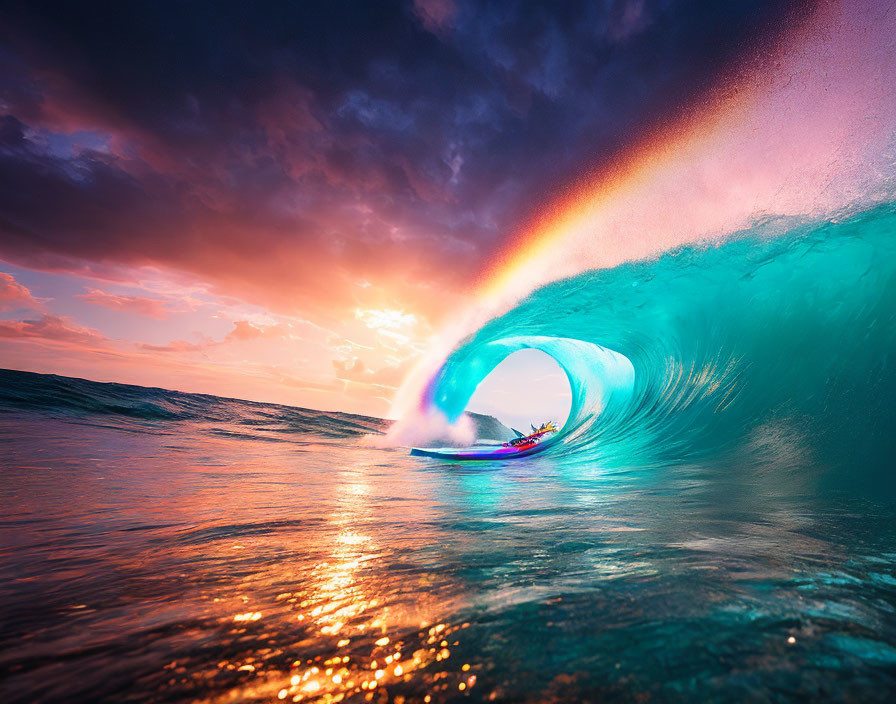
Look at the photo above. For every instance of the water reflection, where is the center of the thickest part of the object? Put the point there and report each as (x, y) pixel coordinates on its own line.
(239, 570)
(340, 622)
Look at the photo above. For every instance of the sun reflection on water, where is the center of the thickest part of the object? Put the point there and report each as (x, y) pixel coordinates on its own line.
(346, 629)
(241, 572)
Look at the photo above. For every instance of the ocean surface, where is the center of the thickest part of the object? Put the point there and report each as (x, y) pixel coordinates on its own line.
(715, 522)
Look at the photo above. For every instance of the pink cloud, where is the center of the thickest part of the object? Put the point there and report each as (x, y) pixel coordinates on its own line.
(52, 329)
(14, 296)
(178, 346)
(267, 246)
(138, 305)
(244, 330)
(355, 370)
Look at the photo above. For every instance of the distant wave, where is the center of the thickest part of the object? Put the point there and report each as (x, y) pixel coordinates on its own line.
(83, 399)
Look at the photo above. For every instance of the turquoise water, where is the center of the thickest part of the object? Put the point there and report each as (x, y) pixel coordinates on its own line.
(763, 351)
(715, 523)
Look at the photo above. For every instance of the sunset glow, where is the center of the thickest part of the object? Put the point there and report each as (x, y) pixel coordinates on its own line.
(414, 351)
(329, 279)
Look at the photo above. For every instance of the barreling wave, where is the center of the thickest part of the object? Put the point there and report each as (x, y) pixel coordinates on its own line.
(778, 345)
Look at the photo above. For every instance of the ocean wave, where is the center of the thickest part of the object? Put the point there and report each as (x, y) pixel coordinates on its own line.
(774, 346)
(149, 407)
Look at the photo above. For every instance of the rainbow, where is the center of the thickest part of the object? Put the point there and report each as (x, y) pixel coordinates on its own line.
(780, 130)
(760, 144)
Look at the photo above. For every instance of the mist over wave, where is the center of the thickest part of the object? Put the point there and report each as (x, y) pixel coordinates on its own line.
(774, 348)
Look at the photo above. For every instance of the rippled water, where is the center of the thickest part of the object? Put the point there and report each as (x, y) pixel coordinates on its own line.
(190, 560)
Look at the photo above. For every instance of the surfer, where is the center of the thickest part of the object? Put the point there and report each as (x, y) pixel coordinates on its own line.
(522, 441)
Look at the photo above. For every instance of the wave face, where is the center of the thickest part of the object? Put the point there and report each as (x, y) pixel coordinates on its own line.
(775, 347)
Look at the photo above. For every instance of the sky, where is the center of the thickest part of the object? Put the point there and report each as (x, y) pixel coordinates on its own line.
(290, 203)
(527, 388)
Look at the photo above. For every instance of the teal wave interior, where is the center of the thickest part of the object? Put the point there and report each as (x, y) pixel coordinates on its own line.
(774, 347)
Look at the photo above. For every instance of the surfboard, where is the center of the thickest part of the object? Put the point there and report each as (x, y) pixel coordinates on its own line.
(477, 453)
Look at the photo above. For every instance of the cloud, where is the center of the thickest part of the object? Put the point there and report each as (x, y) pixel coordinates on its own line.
(14, 296)
(355, 165)
(391, 320)
(138, 305)
(51, 328)
(244, 330)
(177, 346)
(355, 370)
(307, 148)
(628, 18)
(435, 15)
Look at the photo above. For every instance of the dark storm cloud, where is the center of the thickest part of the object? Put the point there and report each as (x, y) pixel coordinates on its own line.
(259, 146)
